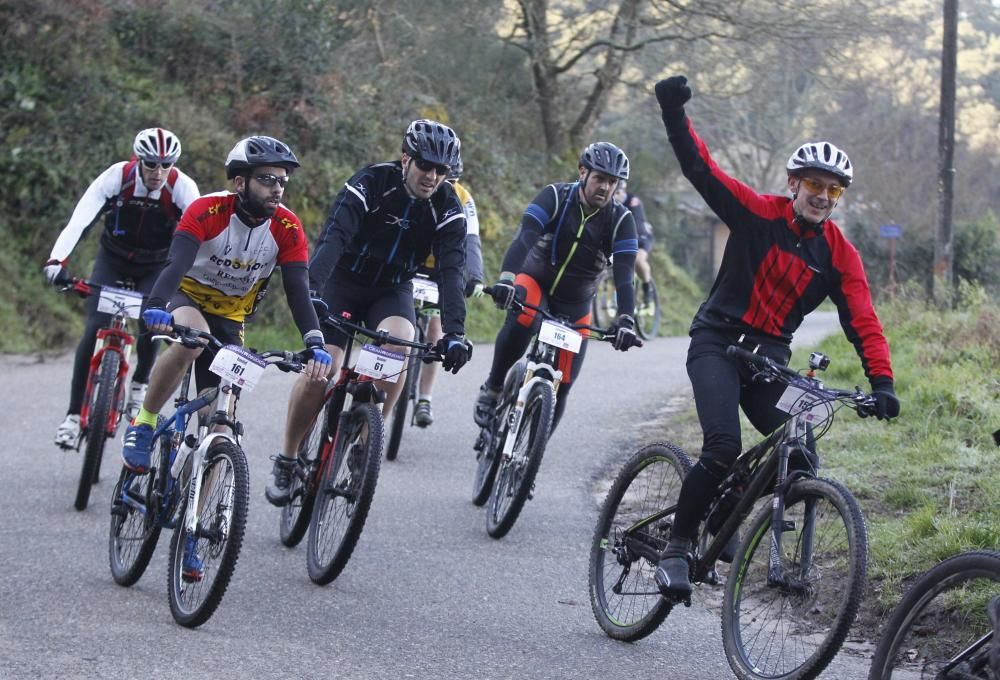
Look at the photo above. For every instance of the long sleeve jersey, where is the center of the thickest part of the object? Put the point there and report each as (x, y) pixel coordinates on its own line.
(138, 223)
(378, 235)
(775, 270)
(565, 249)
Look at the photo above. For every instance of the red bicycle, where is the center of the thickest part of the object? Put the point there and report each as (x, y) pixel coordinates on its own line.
(104, 399)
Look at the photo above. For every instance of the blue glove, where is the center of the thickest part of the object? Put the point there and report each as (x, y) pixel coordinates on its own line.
(157, 317)
(319, 353)
(455, 350)
(886, 401)
(322, 309)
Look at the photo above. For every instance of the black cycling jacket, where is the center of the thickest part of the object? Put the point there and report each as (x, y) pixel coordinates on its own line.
(774, 269)
(377, 235)
(565, 250)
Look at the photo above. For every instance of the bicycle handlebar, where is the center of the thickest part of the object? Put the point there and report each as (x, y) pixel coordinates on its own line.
(603, 334)
(191, 338)
(863, 403)
(382, 337)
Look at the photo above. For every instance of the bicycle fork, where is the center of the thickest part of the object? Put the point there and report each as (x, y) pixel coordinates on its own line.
(777, 574)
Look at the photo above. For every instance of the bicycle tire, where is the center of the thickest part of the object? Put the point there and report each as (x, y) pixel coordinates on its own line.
(133, 533)
(490, 442)
(224, 504)
(345, 494)
(927, 628)
(647, 314)
(605, 305)
(820, 605)
(516, 474)
(101, 398)
(296, 514)
(407, 394)
(649, 482)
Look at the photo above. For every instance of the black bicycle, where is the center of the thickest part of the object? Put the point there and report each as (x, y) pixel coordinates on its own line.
(648, 314)
(509, 449)
(425, 301)
(340, 456)
(797, 577)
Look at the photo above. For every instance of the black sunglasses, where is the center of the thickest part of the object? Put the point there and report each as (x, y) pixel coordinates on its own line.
(150, 165)
(270, 180)
(427, 166)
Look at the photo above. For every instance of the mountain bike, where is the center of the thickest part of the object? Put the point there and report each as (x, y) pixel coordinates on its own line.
(947, 626)
(509, 449)
(340, 456)
(198, 484)
(104, 398)
(425, 300)
(796, 579)
(647, 310)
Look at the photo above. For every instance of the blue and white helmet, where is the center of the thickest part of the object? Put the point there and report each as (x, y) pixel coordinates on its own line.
(822, 156)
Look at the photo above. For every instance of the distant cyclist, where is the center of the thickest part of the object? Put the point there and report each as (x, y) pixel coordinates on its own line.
(566, 237)
(423, 414)
(388, 218)
(645, 232)
(784, 257)
(141, 200)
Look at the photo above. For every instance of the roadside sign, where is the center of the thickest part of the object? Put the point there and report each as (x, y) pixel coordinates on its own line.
(890, 231)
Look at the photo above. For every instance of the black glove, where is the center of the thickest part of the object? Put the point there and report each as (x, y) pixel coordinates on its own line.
(886, 402)
(470, 287)
(455, 350)
(322, 309)
(625, 336)
(672, 94)
(503, 294)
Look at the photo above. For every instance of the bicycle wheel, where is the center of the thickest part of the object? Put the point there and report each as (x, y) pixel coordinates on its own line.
(101, 398)
(222, 517)
(624, 551)
(939, 621)
(647, 311)
(791, 630)
(516, 475)
(346, 489)
(406, 395)
(296, 514)
(490, 442)
(605, 300)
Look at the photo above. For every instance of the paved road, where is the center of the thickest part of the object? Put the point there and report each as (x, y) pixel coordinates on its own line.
(427, 593)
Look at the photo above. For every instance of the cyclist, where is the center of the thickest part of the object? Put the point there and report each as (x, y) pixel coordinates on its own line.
(382, 225)
(566, 237)
(141, 200)
(645, 232)
(783, 258)
(423, 415)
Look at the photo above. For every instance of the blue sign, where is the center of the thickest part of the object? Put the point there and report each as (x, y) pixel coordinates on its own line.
(890, 231)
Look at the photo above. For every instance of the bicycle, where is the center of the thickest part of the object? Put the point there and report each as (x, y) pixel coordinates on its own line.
(796, 579)
(425, 299)
(509, 449)
(339, 458)
(104, 397)
(198, 486)
(648, 314)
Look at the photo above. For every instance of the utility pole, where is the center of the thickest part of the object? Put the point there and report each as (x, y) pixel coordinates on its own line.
(943, 250)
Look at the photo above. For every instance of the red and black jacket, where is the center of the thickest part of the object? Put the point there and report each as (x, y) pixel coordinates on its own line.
(775, 270)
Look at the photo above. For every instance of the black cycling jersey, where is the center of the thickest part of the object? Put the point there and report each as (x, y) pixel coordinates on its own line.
(565, 249)
(378, 235)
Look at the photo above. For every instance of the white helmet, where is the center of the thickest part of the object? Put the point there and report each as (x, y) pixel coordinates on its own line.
(822, 156)
(157, 145)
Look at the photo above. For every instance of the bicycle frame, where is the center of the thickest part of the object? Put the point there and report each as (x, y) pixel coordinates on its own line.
(540, 368)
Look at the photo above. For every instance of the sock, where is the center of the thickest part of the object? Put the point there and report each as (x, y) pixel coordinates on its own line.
(424, 397)
(145, 418)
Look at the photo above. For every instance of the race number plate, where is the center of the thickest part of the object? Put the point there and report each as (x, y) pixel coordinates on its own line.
(379, 363)
(797, 401)
(425, 290)
(240, 366)
(114, 299)
(557, 335)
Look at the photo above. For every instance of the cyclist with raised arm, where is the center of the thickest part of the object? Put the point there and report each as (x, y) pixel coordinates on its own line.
(565, 239)
(382, 226)
(645, 232)
(784, 257)
(141, 200)
(423, 414)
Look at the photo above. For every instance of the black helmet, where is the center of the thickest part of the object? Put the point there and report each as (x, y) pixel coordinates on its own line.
(455, 173)
(255, 151)
(432, 142)
(607, 158)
